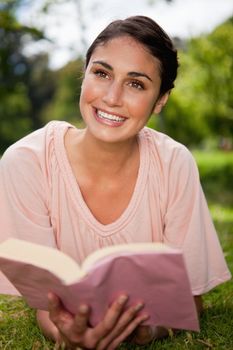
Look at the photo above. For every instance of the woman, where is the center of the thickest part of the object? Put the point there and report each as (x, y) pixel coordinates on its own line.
(115, 181)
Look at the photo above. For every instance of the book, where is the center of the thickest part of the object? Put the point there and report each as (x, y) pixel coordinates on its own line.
(153, 273)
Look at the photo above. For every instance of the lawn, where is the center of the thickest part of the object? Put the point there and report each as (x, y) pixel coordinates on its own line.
(18, 330)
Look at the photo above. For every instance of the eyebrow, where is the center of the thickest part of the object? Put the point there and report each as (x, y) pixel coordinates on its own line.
(131, 74)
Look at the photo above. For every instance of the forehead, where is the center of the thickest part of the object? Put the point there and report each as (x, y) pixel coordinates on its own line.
(126, 52)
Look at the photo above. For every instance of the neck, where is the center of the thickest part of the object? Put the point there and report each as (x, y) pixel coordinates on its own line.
(106, 158)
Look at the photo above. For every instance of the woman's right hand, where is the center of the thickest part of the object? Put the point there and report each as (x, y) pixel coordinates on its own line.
(115, 327)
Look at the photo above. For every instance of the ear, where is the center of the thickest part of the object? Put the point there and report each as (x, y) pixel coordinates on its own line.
(161, 103)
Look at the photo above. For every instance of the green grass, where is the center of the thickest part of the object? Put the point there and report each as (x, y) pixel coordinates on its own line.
(18, 330)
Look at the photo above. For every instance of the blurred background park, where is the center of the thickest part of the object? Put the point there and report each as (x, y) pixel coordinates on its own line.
(42, 50)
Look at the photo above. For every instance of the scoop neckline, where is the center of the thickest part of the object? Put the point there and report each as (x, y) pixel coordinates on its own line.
(74, 189)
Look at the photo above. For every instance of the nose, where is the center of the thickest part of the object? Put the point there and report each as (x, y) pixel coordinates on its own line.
(113, 96)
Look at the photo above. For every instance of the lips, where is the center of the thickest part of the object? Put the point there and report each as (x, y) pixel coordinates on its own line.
(109, 119)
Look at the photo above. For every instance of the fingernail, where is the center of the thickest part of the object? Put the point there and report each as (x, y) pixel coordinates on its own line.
(50, 296)
(145, 317)
(52, 299)
(83, 308)
(138, 306)
(122, 299)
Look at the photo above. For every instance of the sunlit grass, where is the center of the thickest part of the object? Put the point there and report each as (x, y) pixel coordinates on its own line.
(213, 159)
(221, 213)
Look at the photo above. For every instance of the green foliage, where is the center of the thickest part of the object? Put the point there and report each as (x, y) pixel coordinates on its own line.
(41, 86)
(201, 105)
(214, 54)
(31, 94)
(15, 99)
(199, 111)
(64, 105)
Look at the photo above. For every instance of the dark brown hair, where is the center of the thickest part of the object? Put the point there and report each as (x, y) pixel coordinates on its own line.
(152, 36)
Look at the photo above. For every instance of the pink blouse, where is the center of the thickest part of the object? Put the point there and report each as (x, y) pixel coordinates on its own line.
(40, 201)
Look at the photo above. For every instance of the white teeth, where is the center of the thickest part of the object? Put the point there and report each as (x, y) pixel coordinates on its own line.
(112, 117)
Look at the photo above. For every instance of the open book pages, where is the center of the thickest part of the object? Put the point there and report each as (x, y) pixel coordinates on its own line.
(43, 257)
(64, 266)
(125, 249)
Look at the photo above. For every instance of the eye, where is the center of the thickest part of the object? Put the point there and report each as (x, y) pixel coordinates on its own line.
(136, 84)
(100, 73)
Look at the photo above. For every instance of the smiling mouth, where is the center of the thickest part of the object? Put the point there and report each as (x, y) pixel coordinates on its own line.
(110, 117)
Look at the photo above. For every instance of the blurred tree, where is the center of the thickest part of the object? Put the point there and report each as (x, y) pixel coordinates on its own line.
(215, 56)
(64, 105)
(15, 102)
(31, 94)
(41, 87)
(201, 106)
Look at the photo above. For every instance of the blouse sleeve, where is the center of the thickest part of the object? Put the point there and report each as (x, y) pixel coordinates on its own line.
(188, 225)
(24, 198)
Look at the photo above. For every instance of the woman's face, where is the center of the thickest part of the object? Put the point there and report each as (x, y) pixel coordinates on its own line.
(120, 89)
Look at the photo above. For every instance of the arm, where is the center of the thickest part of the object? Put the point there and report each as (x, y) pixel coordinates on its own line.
(188, 225)
(23, 205)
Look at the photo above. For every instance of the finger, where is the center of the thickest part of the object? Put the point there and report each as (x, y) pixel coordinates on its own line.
(53, 306)
(81, 319)
(73, 330)
(122, 324)
(53, 301)
(57, 313)
(111, 317)
(129, 329)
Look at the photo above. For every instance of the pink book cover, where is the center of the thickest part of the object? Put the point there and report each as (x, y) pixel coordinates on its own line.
(158, 279)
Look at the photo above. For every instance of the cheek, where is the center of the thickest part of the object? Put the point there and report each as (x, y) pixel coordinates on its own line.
(87, 93)
(145, 106)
